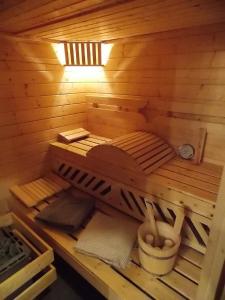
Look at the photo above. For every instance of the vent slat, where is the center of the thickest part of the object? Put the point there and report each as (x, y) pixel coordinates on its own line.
(72, 54)
(83, 53)
(99, 54)
(66, 53)
(88, 54)
(94, 53)
(77, 53)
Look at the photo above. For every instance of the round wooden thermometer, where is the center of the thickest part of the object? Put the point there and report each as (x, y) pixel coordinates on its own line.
(186, 151)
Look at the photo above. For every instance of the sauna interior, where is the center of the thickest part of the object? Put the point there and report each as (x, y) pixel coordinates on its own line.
(120, 103)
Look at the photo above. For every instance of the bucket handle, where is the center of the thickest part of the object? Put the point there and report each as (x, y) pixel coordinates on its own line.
(179, 220)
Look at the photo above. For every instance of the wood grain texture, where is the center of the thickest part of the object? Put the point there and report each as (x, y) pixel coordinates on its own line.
(103, 20)
(37, 101)
(129, 283)
(170, 83)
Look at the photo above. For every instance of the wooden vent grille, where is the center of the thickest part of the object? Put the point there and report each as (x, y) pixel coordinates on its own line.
(195, 230)
(83, 53)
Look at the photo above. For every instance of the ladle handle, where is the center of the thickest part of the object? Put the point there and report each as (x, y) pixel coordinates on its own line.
(154, 229)
(179, 220)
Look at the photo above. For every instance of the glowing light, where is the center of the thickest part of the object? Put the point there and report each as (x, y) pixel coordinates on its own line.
(84, 74)
(59, 51)
(106, 50)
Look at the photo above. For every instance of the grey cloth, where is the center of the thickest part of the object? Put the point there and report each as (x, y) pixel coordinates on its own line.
(68, 212)
(109, 238)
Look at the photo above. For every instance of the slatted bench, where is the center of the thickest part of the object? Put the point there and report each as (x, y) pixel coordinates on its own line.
(130, 283)
(121, 190)
(175, 183)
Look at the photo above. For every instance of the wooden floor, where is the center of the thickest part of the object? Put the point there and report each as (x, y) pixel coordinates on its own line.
(201, 181)
(130, 283)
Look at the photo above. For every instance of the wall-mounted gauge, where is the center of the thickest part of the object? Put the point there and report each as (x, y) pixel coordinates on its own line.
(186, 151)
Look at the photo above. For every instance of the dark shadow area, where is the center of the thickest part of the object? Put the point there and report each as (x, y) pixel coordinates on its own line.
(69, 285)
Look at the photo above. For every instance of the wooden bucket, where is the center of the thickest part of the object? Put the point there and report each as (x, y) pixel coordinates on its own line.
(157, 260)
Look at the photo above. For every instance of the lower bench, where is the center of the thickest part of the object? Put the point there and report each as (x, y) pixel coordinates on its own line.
(130, 283)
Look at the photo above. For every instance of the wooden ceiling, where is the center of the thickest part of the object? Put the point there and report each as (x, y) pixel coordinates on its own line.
(73, 20)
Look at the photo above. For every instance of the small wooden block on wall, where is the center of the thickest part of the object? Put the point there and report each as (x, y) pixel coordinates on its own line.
(200, 145)
(73, 135)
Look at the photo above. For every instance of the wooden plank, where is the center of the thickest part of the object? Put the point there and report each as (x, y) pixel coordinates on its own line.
(145, 165)
(39, 285)
(206, 168)
(101, 138)
(214, 259)
(130, 139)
(143, 149)
(156, 289)
(200, 144)
(23, 196)
(95, 141)
(201, 231)
(190, 173)
(125, 137)
(48, 184)
(80, 146)
(49, 190)
(188, 180)
(188, 270)
(156, 165)
(191, 255)
(88, 143)
(135, 142)
(73, 135)
(77, 150)
(152, 153)
(181, 284)
(34, 186)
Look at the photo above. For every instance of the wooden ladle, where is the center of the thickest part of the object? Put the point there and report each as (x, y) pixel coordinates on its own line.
(151, 218)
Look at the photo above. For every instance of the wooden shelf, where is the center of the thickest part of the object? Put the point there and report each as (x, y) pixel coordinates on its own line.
(36, 275)
(130, 283)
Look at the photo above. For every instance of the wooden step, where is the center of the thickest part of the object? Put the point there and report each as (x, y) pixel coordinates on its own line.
(33, 192)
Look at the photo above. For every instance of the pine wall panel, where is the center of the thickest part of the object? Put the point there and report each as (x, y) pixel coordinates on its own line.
(38, 99)
(181, 75)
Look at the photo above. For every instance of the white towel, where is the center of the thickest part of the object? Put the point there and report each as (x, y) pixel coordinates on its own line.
(108, 238)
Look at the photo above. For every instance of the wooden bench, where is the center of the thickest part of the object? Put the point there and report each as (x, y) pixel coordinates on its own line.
(175, 183)
(123, 191)
(130, 283)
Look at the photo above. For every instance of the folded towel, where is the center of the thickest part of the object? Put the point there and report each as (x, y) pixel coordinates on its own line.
(108, 238)
(68, 212)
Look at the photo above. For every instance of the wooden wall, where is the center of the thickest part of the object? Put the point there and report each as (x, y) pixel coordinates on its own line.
(37, 100)
(171, 83)
(181, 76)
